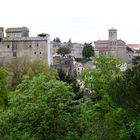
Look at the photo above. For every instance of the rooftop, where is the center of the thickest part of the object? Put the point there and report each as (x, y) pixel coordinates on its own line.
(25, 39)
(16, 29)
(106, 43)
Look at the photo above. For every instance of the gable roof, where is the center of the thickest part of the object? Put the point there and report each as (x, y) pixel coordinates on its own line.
(106, 43)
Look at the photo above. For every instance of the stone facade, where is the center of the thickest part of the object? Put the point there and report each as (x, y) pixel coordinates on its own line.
(17, 43)
(76, 48)
(112, 46)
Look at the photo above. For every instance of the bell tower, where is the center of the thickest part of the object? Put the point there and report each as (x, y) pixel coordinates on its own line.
(112, 37)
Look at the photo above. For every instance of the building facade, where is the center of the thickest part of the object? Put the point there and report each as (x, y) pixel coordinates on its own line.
(17, 43)
(112, 46)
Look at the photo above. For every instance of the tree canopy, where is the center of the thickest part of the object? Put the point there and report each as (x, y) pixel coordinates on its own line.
(42, 107)
(63, 51)
(88, 50)
(125, 90)
(57, 40)
(3, 87)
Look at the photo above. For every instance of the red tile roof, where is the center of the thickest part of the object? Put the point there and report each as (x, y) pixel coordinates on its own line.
(134, 46)
(103, 49)
(106, 43)
(102, 43)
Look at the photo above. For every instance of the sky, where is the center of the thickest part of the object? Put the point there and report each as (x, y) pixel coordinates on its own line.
(78, 20)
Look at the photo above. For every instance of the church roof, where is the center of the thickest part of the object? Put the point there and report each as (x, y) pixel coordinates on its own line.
(106, 43)
(134, 46)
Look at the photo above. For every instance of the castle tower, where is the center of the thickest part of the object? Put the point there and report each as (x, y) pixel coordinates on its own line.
(1, 33)
(112, 37)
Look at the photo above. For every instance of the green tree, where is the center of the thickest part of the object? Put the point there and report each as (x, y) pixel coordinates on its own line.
(3, 87)
(125, 90)
(41, 110)
(57, 40)
(98, 80)
(17, 67)
(63, 51)
(88, 50)
(38, 66)
(71, 80)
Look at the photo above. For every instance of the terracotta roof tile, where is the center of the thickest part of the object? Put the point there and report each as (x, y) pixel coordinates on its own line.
(134, 46)
(106, 43)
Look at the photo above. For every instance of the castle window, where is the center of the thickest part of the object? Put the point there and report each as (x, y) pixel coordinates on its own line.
(8, 46)
(40, 52)
(34, 52)
(14, 53)
(30, 46)
(114, 43)
(0, 39)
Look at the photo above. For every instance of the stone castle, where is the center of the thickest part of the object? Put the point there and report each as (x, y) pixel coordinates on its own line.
(17, 43)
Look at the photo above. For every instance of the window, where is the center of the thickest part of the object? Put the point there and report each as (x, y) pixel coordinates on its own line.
(37, 44)
(40, 52)
(34, 52)
(0, 39)
(14, 53)
(30, 46)
(8, 46)
(114, 43)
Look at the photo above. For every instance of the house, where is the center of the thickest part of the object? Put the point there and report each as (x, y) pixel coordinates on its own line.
(135, 52)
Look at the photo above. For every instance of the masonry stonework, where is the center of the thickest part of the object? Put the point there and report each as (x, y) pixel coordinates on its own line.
(17, 43)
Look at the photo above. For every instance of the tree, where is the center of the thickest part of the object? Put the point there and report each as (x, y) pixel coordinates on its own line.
(57, 40)
(88, 50)
(98, 80)
(69, 43)
(71, 80)
(17, 67)
(38, 66)
(3, 87)
(109, 121)
(41, 110)
(125, 90)
(63, 51)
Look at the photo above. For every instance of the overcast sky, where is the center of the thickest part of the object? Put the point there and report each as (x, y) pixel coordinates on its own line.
(80, 20)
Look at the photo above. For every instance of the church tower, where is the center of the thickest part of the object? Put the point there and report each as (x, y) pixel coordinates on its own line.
(112, 37)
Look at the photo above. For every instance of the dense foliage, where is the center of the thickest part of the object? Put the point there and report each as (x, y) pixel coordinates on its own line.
(125, 90)
(88, 50)
(3, 87)
(63, 51)
(43, 108)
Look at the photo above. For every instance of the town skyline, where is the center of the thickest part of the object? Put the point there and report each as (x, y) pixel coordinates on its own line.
(80, 21)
